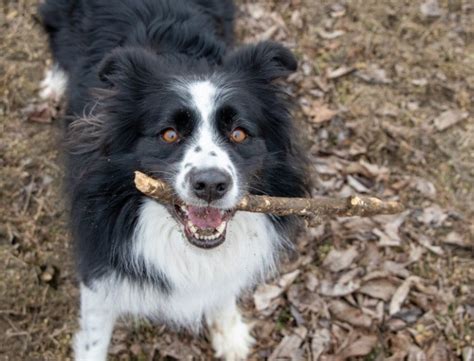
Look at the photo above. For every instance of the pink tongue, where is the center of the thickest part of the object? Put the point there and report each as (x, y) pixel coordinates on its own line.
(203, 217)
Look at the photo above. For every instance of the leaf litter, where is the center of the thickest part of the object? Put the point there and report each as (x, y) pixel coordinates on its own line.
(377, 117)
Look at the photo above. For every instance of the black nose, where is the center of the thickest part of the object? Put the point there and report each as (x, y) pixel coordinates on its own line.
(210, 184)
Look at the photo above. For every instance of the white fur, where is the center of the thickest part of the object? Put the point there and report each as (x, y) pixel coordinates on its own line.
(203, 278)
(54, 83)
(96, 323)
(230, 336)
(205, 283)
(204, 95)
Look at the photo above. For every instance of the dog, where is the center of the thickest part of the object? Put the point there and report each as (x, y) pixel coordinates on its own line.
(157, 86)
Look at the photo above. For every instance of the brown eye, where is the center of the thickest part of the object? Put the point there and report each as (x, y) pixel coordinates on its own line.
(238, 135)
(170, 135)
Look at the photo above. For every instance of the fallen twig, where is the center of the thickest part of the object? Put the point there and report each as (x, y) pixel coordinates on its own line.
(313, 209)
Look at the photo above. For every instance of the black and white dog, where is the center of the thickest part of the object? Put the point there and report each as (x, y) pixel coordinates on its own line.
(152, 86)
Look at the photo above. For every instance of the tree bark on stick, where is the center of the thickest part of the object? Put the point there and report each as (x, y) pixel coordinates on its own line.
(312, 209)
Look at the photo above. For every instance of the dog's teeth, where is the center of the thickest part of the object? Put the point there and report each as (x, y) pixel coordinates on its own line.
(221, 228)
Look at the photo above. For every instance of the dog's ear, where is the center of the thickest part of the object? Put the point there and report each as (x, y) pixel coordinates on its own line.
(125, 63)
(266, 60)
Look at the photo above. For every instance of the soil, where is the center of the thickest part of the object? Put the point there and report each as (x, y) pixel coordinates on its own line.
(384, 100)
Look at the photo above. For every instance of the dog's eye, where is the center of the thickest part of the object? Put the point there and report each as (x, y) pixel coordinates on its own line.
(238, 135)
(170, 135)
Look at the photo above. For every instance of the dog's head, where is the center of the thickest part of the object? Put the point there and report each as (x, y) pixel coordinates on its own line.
(213, 132)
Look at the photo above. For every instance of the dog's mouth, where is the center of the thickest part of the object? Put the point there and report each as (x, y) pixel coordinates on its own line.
(204, 227)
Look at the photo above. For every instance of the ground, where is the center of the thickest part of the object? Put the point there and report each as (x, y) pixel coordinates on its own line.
(384, 101)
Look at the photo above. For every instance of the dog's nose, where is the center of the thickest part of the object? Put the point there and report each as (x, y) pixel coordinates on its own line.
(210, 184)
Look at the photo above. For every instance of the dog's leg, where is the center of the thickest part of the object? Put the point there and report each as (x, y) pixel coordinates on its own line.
(230, 336)
(53, 84)
(96, 325)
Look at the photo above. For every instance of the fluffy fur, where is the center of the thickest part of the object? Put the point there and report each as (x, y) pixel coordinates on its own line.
(134, 68)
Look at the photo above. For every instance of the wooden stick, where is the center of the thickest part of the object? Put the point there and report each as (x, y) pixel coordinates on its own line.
(313, 209)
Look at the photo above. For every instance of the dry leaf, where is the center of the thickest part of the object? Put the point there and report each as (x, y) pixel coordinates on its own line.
(431, 9)
(357, 224)
(468, 354)
(416, 354)
(415, 253)
(350, 275)
(117, 348)
(330, 35)
(338, 260)
(379, 288)
(357, 149)
(341, 71)
(389, 237)
(358, 186)
(305, 300)
(264, 295)
(177, 350)
(410, 315)
(432, 216)
(380, 173)
(373, 74)
(136, 349)
(337, 290)
(395, 268)
(40, 113)
(337, 10)
(256, 10)
(454, 238)
(296, 19)
(389, 110)
(399, 296)
(397, 356)
(439, 351)
(346, 313)
(420, 82)
(449, 118)
(311, 282)
(424, 187)
(319, 113)
(400, 343)
(289, 347)
(320, 342)
(268, 34)
(361, 347)
(287, 279)
(426, 242)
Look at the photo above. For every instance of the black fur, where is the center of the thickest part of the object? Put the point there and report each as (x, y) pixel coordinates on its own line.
(122, 58)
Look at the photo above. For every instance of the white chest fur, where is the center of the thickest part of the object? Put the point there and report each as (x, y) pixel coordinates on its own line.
(201, 279)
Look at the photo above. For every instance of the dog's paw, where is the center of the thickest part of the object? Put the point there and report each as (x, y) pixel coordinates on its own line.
(232, 342)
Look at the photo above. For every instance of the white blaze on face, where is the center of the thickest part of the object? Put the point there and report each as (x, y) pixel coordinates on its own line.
(204, 151)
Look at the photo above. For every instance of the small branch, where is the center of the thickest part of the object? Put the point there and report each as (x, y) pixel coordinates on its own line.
(313, 209)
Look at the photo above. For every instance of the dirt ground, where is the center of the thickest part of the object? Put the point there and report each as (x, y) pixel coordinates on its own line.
(385, 102)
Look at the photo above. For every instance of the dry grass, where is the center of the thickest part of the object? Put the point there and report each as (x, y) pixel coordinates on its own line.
(369, 130)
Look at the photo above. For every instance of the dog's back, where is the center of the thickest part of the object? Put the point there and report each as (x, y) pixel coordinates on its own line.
(83, 32)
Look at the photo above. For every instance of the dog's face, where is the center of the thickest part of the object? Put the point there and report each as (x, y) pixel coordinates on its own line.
(213, 134)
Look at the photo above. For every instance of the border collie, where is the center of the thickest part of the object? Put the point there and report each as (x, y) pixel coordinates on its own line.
(156, 86)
